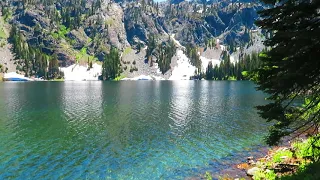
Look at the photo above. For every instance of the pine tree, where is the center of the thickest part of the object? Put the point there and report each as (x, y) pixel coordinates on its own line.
(111, 65)
(291, 68)
(209, 71)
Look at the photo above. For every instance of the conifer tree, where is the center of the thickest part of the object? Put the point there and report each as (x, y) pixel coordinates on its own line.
(291, 68)
(209, 72)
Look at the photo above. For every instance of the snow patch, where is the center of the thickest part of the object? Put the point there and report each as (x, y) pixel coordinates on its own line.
(14, 75)
(233, 59)
(81, 73)
(184, 70)
(223, 48)
(205, 62)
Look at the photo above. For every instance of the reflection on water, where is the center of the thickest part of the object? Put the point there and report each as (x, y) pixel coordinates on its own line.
(180, 107)
(134, 130)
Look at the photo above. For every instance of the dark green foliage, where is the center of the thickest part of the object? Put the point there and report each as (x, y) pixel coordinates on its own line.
(165, 53)
(233, 71)
(307, 172)
(6, 13)
(194, 57)
(152, 45)
(209, 72)
(139, 46)
(133, 68)
(32, 60)
(89, 63)
(1, 68)
(211, 43)
(71, 11)
(33, 55)
(291, 68)
(111, 65)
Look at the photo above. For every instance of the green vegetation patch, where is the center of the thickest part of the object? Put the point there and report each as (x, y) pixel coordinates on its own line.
(305, 172)
(57, 80)
(7, 14)
(1, 77)
(109, 22)
(281, 155)
(82, 57)
(3, 35)
(305, 156)
(307, 149)
(60, 34)
(232, 78)
(270, 175)
(119, 78)
(127, 51)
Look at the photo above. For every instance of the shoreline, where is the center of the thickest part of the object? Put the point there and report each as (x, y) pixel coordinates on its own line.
(261, 161)
(226, 168)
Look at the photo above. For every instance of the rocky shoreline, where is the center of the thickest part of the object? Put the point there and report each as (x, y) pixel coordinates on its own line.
(267, 162)
(236, 165)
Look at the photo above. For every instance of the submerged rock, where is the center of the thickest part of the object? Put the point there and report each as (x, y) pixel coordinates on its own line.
(249, 158)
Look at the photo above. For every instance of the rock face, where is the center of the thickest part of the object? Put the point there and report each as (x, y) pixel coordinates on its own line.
(33, 18)
(79, 38)
(113, 16)
(139, 24)
(6, 57)
(194, 32)
(229, 23)
(126, 24)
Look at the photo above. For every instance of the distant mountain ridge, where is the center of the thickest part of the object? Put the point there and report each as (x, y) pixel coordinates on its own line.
(80, 31)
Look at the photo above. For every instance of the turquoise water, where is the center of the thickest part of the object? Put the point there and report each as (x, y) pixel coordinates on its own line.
(124, 130)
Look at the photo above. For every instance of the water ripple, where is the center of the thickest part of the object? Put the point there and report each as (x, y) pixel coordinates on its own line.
(124, 130)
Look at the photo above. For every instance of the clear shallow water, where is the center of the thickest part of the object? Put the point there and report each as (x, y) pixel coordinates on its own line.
(124, 130)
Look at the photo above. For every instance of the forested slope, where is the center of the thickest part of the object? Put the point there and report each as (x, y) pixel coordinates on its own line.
(46, 35)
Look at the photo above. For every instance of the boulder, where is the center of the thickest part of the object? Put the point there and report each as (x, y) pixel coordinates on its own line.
(251, 162)
(249, 158)
(253, 171)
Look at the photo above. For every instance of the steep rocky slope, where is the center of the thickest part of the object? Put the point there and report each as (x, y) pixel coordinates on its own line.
(6, 57)
(84, 31)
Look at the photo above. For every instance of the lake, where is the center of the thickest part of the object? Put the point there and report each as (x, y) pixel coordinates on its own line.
(125, 130)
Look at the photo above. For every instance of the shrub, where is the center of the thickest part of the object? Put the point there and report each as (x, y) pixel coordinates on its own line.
(119, 78)
(277, 158)
(2, 33)
(260, 175)
(308, 148)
